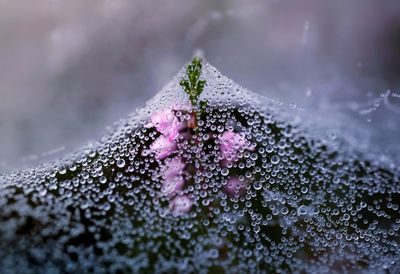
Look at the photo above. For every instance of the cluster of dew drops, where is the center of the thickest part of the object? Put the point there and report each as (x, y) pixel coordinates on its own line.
(299, 203)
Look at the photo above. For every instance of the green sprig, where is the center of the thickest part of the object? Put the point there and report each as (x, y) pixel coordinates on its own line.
(192, 85)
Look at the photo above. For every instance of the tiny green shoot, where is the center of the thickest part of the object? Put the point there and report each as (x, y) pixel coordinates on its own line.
(193, 85)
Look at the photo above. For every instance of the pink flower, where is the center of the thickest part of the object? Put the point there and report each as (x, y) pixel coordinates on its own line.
(173, 168)
(172, 176)
(235, 187)
(172, 185)
(181, 204)
(162, 147)
(166, 123)
(230, 144)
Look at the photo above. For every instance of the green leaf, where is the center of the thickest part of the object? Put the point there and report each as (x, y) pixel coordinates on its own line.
(192, 85)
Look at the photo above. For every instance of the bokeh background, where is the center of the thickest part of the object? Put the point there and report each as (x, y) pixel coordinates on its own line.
(69, 68)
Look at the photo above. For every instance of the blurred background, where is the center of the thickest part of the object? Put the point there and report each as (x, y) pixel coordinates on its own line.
(69, 68)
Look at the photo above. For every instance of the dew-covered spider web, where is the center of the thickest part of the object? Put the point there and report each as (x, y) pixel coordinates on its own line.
(245, 185)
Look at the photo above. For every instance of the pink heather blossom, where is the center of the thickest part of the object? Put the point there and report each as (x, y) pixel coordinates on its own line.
(172, 176)
(172, 185)
(162, 147)
(235, 187)
(181, 204)
(166, 123)
(173, 168)
(230, 144)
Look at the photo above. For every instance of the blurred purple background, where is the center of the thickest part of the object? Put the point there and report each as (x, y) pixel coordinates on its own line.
(69, 68)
